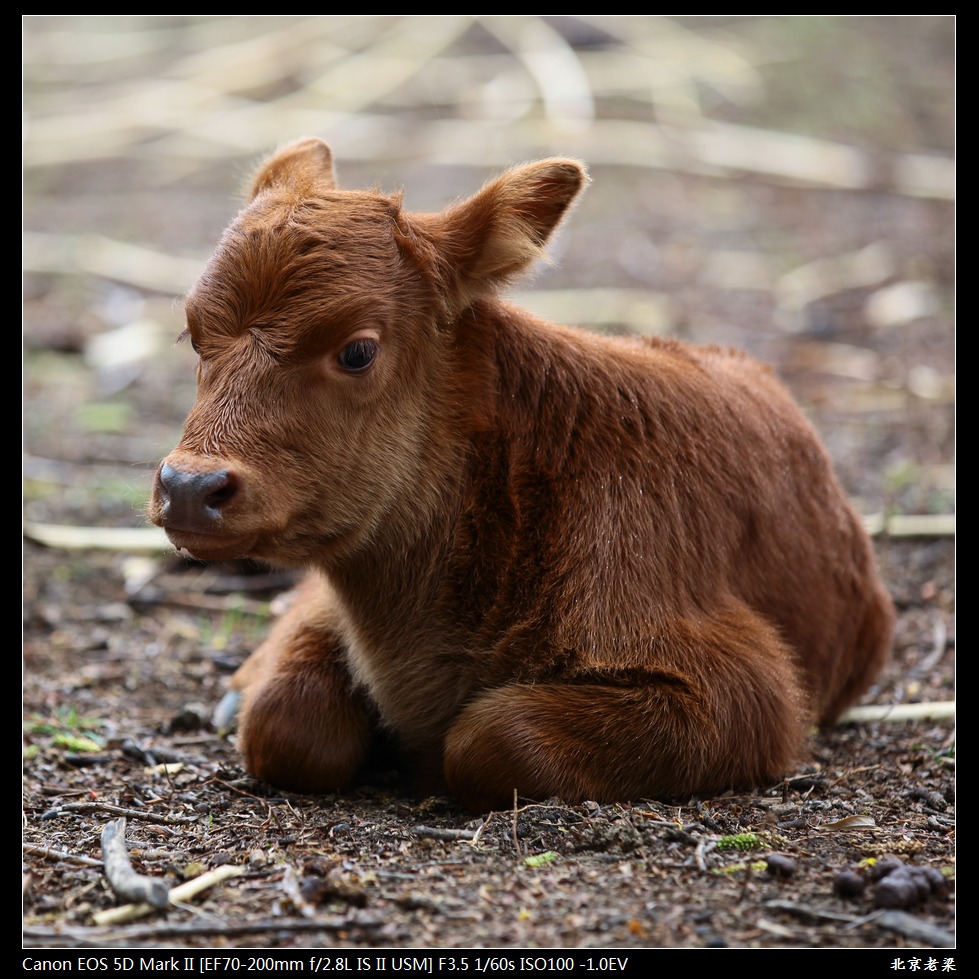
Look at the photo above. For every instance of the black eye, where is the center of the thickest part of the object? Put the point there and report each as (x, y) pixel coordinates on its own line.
(358, 355)
(186, 335)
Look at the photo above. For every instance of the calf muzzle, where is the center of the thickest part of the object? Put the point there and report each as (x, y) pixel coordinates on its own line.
(193, 501)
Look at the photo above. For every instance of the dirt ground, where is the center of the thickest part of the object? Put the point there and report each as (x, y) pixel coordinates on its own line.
(779, 184)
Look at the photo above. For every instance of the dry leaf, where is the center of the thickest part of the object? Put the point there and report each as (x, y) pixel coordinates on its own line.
(853, 822)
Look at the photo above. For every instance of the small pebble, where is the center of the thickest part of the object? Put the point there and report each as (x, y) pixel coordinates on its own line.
(936, 879)
(887, 864)
(848, 883)
(780, 865)
(189, 719)
(897, 885)
(897, 890)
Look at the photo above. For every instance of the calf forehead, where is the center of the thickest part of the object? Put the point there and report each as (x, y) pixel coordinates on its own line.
(297, 265)
(335, 212)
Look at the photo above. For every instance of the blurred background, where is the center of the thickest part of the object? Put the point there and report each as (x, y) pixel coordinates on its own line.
(778, 183)
(781, 184)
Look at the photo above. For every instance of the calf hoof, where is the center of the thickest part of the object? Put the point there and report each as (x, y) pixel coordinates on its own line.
(225, 716)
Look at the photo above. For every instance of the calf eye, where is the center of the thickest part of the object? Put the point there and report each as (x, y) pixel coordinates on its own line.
(358, 355)
(185, 335)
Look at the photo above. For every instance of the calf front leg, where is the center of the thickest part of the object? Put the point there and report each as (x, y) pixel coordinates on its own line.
(302, 725)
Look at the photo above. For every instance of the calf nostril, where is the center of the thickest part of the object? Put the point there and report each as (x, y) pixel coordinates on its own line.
(222, 487)
(192, 497)
(169, 477)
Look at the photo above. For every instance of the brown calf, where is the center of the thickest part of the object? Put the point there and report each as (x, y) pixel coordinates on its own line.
(545, 561)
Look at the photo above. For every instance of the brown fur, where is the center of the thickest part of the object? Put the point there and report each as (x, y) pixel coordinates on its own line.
(544, 560)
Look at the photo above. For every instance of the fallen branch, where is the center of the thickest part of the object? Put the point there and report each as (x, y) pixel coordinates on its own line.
(479, 832)
(118, 260)
(911, 524)
(817, 914)
(205, 603)
(120, 937)
(49, 853)
(176, 895)
(119, 872)
(438, 833)
(917, 929)
(703, 846)
(516, 840)
(97, 538)
(934, 711)
(290, 884)
(94, 807)
(903, 923)
(721, 150)
(938, 646)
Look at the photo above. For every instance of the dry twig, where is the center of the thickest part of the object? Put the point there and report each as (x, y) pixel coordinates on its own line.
(53, 937)
(290, 884)
(177, 895)
(49, 853)
(937, 710)
(88, 808)
(516, 840)
(119, 872)
(440, 833)
(916, 929)
(97, 538)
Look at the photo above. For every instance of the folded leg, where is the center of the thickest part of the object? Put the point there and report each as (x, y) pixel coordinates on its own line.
(302, 725)
(722, 710)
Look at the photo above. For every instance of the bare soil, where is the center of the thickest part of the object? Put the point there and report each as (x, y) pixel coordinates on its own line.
(126, 652)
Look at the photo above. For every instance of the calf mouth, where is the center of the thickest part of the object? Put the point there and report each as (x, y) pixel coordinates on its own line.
(210, 547)
(274, 548)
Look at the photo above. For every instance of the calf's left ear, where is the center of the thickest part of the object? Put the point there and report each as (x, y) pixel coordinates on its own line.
(304, 166)
(499, 232)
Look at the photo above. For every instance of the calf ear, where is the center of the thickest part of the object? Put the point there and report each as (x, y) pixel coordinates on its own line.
(304, 166)
(502, 230)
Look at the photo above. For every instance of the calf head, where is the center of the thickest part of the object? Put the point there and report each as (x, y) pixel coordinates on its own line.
(336, 375)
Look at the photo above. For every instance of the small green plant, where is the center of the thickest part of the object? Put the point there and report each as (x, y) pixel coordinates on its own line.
(943, 756)
(540, 859)
(231, 624)
(740, 841)
(756, 867)
(67, 729)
